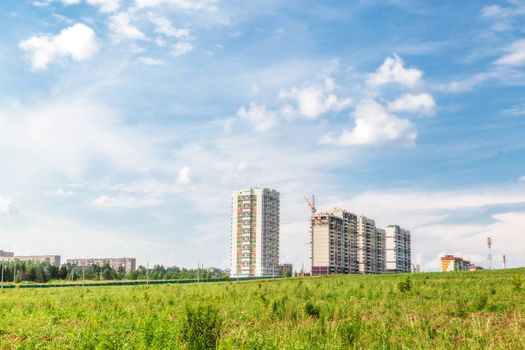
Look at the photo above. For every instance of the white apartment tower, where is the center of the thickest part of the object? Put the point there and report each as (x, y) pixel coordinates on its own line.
(398, 257)
(334, 242)
(254, 233)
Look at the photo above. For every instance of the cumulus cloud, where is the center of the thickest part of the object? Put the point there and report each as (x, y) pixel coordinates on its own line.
(189, 5)
(260, 118)
(420, 104)
(150, 61)
(105, 5)
(6, 207)
(393, 71)
(78, 42)
(127, 202)
(164, 26)
(515, 55)
(313, 100)
(120, 25)
(375, 125)
(181, 48)
(63, 136)
(61, 193)
(184, 176)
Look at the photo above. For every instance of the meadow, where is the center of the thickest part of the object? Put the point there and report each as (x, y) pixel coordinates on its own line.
(463, 310)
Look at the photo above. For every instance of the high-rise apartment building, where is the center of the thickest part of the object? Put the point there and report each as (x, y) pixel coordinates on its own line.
(380, 250)
(343, 242)
(255, 233)
(366, 245)
(398, 250)
(334, 235)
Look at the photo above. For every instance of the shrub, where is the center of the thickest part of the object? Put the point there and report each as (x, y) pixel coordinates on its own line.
(278, 308)
(202, 327)
(516, 283)
(480, 303)
(312, 310)
(405, 285)
(349, 331)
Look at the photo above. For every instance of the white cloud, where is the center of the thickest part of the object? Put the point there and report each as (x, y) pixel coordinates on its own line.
(149, 61)
(189, 5)
(64, 136)
(78, 42)
(375, 125)
(313, 100)
(184, 176)
(164, 26)
(128, 202)
(515, 55)
(6, 207)
(120, 24)
(61, 193)
(393, 71)
(258, 116)
(420, 104)
(105, 5)
(521, 178)
(181, 48)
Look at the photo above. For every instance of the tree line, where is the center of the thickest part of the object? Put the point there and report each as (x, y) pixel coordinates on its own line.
(43, 272)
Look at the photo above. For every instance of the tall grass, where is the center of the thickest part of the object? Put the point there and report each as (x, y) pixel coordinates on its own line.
(470, 310)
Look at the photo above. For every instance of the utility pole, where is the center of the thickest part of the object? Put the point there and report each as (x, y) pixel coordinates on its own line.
(2, 276)
(489, 258)
(147, 273)
(504, 261)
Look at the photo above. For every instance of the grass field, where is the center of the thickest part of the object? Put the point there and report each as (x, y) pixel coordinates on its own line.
(470, 310)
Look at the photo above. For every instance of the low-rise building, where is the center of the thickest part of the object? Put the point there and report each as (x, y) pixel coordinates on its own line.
(51, 259)
(6, 254)
(127, 265)
(454, 263)
(286, 270)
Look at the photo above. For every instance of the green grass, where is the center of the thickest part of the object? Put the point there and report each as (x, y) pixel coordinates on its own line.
(471, 310)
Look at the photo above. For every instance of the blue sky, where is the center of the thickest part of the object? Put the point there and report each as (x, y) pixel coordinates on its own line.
(125, 125)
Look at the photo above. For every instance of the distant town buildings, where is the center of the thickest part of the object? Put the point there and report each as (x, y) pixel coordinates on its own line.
(455, 263)
(345, 243)
(286, 270)
(51, 259)
(398, 250)
(6, 254)
(127, 265)
(255, 233)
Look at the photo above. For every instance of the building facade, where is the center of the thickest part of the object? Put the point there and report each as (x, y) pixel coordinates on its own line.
(398, 253)
(286, 270)
(380, 250)
(366, 245)
(334, 249)
(51, 259)
(345, 243)
(5, 254)
(127, 265)
(254, 232)
(454, 263)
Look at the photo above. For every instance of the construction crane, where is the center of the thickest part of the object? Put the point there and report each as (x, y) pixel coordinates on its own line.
(311, 204)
